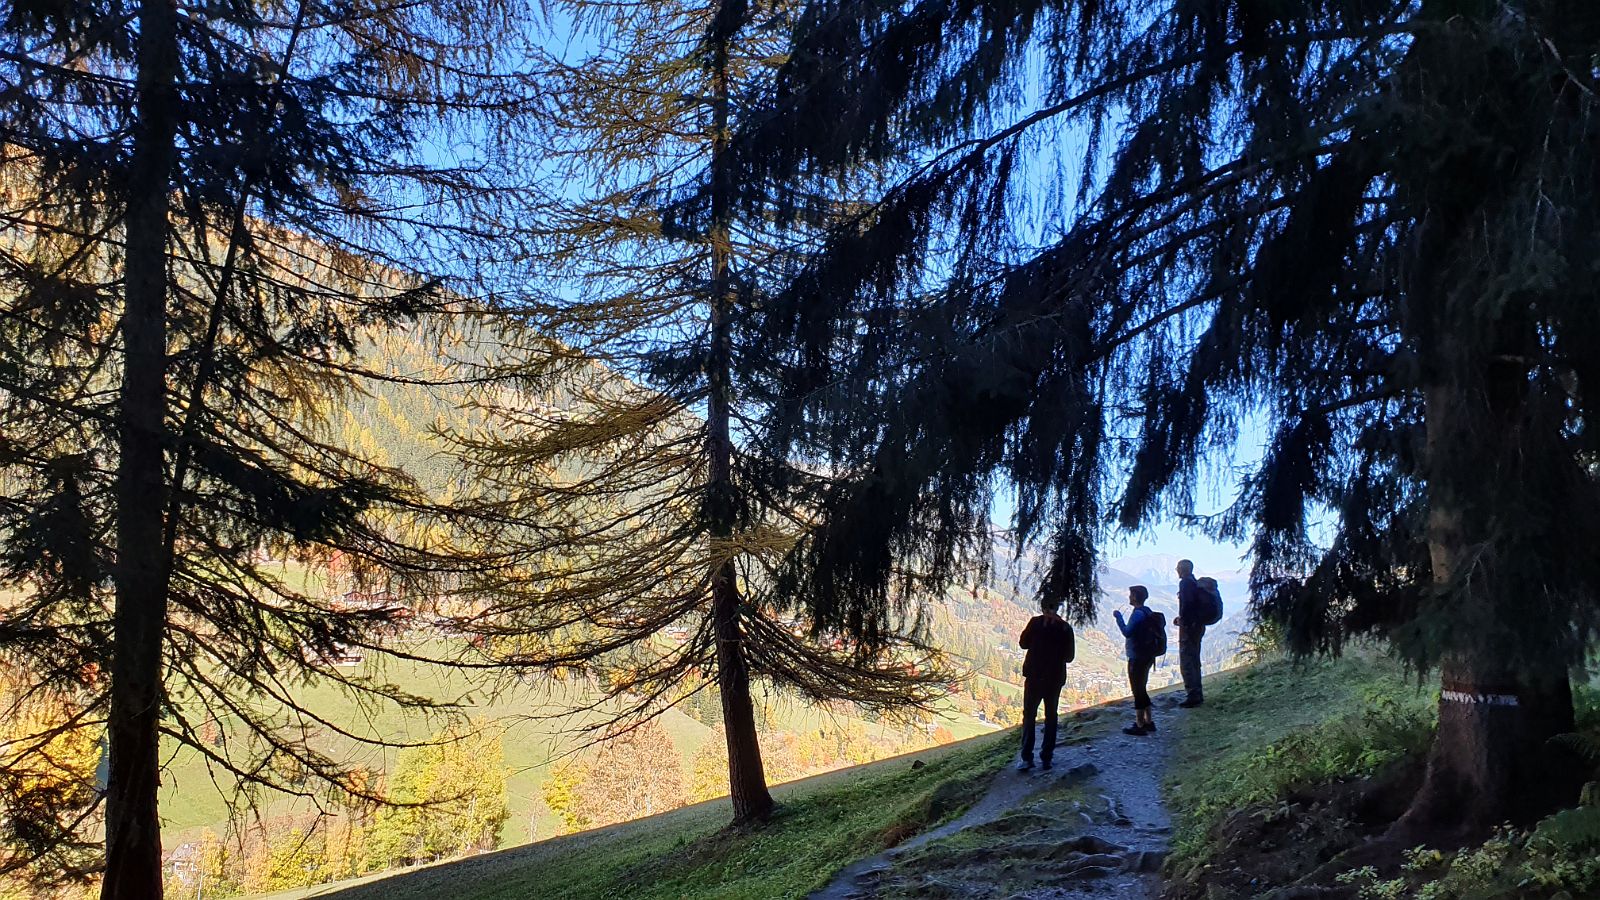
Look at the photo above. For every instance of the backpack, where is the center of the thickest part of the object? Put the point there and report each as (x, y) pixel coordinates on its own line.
(1213, 598)
(1151, 639)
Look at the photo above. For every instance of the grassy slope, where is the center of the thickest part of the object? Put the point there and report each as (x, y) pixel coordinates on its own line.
(824, 823)
(1291, 748)
(1223, 758)
(1004, 687)
(191, 801)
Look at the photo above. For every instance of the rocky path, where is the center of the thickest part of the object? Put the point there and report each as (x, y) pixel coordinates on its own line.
(1094, 826)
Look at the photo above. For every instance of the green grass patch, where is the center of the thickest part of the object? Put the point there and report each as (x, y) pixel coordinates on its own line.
(528, 718)
(1004, 687)
(1283, 726)
(824, 823)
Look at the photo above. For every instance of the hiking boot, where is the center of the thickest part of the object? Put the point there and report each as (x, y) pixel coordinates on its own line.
(1025, 765)
(1136, 730)
(1149, 727)
(1192, 702)
(1045, 765)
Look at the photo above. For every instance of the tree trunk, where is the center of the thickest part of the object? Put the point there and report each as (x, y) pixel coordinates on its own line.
(1490, 761)
(747, 780)
(133, 826)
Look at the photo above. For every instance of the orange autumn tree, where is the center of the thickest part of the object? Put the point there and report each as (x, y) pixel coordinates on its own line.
(638, 773)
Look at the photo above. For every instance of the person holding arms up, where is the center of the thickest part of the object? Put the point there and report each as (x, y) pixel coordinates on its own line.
(1145, 638)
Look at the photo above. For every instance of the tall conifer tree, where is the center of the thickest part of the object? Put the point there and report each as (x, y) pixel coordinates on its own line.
(621, 512)
(207, 209)
(1123, 229)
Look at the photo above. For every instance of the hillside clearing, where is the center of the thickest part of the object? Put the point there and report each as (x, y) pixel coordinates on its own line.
(823, 823)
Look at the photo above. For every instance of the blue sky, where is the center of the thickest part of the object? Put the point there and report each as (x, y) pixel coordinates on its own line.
(1217, 487)
(1219, 484)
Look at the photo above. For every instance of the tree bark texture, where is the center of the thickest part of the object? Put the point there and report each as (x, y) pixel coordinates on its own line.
(133, 826)
(1490, 761)
(747, 781)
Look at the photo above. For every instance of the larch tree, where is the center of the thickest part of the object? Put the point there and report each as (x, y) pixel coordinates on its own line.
(623, 516)
(47, 781)
(209, 209)
(452, 800)
(1119, 230)
(636, 774)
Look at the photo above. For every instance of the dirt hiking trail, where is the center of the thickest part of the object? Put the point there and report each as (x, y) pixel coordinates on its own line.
(1094, 826)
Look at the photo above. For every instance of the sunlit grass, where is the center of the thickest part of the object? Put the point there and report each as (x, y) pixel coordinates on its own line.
(823, 824)
(1267, 730)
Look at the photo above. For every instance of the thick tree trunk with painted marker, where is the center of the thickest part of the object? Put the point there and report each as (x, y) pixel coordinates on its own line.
(1490, 761)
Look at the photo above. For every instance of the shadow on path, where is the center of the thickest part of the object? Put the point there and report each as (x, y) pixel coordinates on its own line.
(1094, 826)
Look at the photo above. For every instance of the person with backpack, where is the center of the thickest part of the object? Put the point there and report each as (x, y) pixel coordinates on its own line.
(1198, 606)
(1050, 645)
(1145, 638)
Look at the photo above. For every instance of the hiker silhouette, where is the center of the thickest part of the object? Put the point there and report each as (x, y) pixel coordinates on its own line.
(1145, 634)
(1050, 645)
(1193, 615)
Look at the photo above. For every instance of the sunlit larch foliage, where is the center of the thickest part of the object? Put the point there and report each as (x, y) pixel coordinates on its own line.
(625, 516)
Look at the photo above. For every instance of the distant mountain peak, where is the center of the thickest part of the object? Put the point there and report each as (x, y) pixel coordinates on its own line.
(1157, 567)
(1161, 568)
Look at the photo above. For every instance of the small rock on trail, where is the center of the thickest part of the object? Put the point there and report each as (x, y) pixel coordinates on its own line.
(1094, 826)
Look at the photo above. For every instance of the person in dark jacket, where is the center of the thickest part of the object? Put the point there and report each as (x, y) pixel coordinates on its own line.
(1050, 645)
(1192, 609)
(1139, 660)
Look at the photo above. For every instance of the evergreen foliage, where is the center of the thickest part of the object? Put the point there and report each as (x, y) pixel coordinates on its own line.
(1118, 231)
(209, 209)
